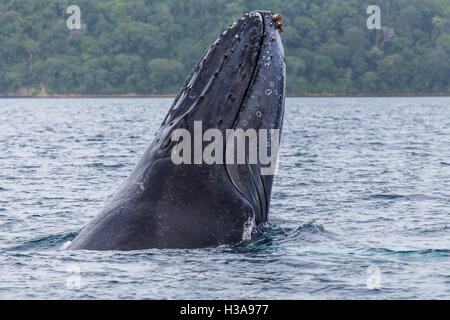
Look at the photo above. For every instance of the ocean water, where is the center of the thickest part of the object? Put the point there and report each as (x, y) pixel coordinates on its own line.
(360, 205)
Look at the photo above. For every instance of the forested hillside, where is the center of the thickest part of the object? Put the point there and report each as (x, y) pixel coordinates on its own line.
(149, 46)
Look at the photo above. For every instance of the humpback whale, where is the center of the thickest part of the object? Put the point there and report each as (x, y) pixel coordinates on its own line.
(239, 83)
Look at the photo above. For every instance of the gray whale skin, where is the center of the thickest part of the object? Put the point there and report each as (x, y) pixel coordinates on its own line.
(238, 83)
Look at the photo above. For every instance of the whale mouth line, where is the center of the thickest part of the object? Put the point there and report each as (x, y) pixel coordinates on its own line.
(251, 82)
(247, 90)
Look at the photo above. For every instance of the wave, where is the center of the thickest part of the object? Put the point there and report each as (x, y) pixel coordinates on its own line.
(51, 242)
(433, 252)
(273, 237)
(103, 165)
(386, 196)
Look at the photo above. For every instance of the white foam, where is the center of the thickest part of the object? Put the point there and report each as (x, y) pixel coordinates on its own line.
(65, 245)
(248, 228)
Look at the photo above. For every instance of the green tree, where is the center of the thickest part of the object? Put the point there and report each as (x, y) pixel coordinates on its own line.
(149, 46)
(164, 74)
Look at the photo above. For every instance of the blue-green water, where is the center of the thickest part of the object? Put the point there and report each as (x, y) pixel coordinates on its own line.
(360, 205)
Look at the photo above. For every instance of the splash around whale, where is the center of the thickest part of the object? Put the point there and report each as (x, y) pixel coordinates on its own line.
(239, 83)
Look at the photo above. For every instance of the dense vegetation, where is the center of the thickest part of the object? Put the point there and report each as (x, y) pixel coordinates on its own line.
(149, 46)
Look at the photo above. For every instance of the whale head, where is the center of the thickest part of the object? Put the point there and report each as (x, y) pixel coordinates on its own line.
(239, 83)
(237, 86)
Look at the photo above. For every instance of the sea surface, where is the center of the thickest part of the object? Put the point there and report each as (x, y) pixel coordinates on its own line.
(360, 205)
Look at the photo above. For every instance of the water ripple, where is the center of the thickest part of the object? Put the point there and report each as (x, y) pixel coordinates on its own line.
(361, 182)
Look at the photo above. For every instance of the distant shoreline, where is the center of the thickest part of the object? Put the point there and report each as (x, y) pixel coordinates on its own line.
(293, 95)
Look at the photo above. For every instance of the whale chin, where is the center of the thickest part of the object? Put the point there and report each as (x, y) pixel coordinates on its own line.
(239, 83)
